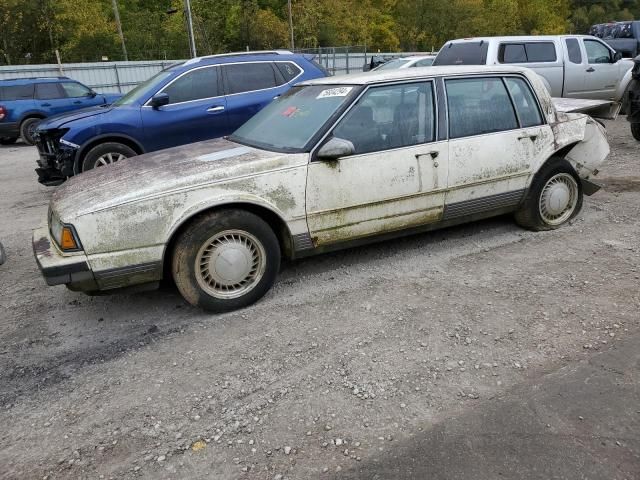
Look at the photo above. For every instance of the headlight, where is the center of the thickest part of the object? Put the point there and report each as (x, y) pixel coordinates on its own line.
(63, 234)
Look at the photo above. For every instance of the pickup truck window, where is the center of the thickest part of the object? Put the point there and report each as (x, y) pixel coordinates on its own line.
(597, 52)
(573, 47)
(527, 52)
(478, 106)
(463, 53)
(525, 102)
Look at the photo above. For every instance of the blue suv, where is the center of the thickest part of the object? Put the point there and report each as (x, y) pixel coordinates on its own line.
(200, 99)
(24, 102)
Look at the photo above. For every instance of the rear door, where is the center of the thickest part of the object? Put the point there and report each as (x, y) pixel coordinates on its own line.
(602, 74)
(51, 99)
(196, 110)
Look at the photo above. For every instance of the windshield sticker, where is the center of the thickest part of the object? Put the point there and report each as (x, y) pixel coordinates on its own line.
(289, 111)
(335, 92)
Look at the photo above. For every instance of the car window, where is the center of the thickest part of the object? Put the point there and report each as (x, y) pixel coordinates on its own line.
(247, 77)
(524, 101)
(48, 91)
(393, 64)
(390, 117)
(478, 106)
(532, 52)
(512, 53)
(16, 92)
(426, 62)
(73, 89)
(597, 52)
(463, 53)
(288, 70)
(194, 85)
(573, 47)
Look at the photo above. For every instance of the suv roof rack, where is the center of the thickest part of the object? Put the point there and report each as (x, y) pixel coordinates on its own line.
(33, 78)
(235, 54)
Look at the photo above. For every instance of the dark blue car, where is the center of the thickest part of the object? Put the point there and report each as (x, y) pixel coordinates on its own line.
(203, 98)
(24, 102)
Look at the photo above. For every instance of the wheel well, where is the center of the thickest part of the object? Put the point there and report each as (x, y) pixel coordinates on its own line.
(123, 140)
(32, 115)
(273, 220)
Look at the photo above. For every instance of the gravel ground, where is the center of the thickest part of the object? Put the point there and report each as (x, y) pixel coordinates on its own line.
(356, 365)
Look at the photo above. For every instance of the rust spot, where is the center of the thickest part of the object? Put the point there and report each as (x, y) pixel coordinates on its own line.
(42, 246)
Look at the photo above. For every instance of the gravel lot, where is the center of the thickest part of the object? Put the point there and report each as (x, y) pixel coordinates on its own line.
(367, 363)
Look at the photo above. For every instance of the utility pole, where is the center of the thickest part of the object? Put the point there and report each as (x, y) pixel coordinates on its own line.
(192, 40)
(119, 25)
(291, 25)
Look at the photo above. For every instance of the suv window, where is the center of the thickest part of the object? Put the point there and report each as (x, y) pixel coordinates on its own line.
(16, 92)
(48, 91)
(288, 70)
(573, 47)
(390, 117)
(463, 53)
(478, 106)
(524, 101)
(597, 52)
(246, 77)
(73, 89)
(527, 52)
(194, 85)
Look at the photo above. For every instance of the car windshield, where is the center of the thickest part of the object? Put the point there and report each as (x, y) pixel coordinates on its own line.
(136, 94)
(292, 120)
(392, 64)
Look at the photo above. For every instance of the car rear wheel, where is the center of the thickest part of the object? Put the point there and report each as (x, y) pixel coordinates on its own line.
(555, 197)
(226, 260)
(28, 129)
(8, 140)
(635, 130)
(106, 154)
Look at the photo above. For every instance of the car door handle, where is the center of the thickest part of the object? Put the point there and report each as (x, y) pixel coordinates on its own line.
(216, 109)
(433, 154)
(77, 102)
(591, 69)
(45, 105)
(277, 96)
(530, 136)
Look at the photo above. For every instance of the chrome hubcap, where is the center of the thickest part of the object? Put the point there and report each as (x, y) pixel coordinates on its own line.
(109, 158)
(230, 264)
(558, 199)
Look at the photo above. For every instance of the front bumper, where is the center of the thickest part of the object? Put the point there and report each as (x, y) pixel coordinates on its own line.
(9, 129)
(72, 271)
(56, 160)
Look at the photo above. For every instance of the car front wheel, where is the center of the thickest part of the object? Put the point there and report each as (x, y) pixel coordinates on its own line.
(555, 197)
(106, 154)
(226, 260)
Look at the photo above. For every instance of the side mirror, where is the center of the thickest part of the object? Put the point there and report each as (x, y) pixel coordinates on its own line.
(336, 148)
(92, 94)
(617, 57)
(159, 100)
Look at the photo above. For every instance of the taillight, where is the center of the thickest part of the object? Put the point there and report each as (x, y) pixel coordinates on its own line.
(3, 112)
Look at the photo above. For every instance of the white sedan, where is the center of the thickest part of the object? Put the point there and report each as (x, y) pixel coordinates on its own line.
(407, 62)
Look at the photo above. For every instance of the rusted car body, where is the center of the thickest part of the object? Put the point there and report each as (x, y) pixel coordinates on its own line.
(396, 152)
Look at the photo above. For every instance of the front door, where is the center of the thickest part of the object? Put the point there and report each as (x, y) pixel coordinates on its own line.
(80, 96)
(397, 177)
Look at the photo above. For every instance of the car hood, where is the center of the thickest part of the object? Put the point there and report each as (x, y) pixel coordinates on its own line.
(60, 121)
(164, 173)
(111, 97)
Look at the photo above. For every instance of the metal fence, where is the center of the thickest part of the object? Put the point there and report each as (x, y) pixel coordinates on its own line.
(123, 76)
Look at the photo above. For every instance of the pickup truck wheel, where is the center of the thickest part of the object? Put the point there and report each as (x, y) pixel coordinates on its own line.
(106, 154)
(226, 260)
(555, 197)
(8, 140)
(27, 130)
(635, 130)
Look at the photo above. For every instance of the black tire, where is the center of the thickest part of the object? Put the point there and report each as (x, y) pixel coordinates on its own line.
(28, 128)
(530, 214)
(635, 131)
(105, 153)
(251, 265)
(8, 140)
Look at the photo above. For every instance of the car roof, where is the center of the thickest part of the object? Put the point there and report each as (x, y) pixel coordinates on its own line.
(515, 38)
(379, 76)
(251, 56)
(29, 80)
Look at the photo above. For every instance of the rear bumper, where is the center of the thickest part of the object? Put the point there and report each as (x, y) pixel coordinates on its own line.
(9, 129)
(72, 271)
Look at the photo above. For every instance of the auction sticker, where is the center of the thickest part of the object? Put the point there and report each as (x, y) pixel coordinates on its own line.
(335, 92)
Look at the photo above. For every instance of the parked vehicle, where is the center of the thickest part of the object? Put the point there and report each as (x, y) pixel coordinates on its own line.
(624, 37)
(25, 102)
(3, 256)
(407, 62)
(333, 162)
(203, 98)
(633, 100)
(573, 66)
(375, 62)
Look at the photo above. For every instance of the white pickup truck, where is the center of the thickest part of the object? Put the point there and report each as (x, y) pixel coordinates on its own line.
(573, 66)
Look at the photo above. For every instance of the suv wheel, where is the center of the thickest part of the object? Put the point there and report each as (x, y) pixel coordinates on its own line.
(105, 154)
(635, 131)
(28, 128)
(8, 140)
(226, 260)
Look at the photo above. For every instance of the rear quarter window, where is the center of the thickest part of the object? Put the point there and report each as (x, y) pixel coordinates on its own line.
(464, 53)
(288, 70)
(16, 92)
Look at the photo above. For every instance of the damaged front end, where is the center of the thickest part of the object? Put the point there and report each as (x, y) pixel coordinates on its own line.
(57, 156)
(632, 105)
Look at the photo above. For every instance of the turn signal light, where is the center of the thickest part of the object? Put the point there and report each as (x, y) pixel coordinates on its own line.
(68, 242)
